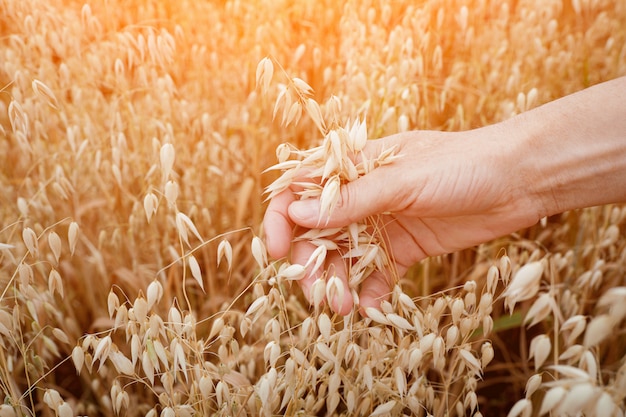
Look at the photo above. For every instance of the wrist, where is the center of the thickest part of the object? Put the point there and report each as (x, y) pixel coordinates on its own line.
(525, 200)
(531, 158)
(572, 151)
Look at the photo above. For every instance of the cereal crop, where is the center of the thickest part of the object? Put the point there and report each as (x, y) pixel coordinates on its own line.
(140, 140)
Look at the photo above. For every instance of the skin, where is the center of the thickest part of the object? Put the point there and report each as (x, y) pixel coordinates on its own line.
(453, 190)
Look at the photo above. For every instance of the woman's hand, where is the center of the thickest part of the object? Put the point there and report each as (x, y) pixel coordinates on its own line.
(449, 191)
(445, 192)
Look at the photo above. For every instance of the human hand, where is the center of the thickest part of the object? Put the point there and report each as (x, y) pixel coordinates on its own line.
(445, 192)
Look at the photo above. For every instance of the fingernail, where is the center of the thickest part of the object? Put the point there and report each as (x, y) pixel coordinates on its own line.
(304, 210)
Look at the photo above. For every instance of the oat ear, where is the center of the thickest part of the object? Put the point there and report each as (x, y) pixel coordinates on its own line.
(196, 272)
(225, 250)
(264, 73)
(167, 156)
(46, 93)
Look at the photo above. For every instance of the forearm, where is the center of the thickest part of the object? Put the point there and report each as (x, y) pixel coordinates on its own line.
(571, 153)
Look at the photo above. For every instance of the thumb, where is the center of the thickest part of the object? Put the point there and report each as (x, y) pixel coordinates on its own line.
(369, 195)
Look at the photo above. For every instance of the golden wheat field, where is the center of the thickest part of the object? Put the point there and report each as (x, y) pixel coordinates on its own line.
(135, 138)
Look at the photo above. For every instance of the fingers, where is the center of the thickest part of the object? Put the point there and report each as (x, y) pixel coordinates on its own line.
(300, 254)
(339, 292)
(340, 297)
(374, 193)
(278, 226)
(375, 289)
(364, 197)
(278, 234)
(367, 196)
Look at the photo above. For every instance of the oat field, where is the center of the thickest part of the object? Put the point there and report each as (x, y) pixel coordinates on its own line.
(135, 142)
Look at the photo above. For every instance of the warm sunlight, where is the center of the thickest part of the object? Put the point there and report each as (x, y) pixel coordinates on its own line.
(138, 149)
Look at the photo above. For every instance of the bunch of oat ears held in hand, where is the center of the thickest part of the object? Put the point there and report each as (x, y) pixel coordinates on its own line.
(320, 172)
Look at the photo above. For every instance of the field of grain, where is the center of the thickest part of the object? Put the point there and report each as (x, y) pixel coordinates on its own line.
(134, 141)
